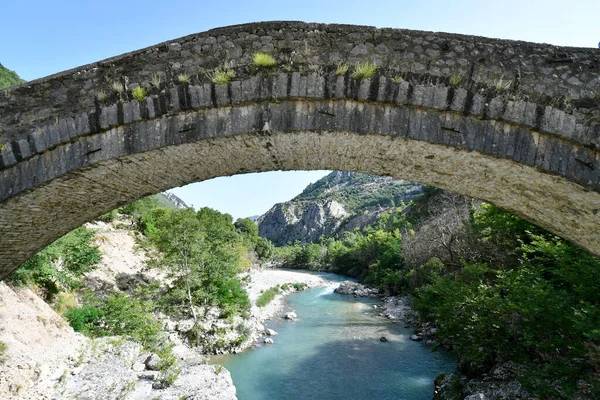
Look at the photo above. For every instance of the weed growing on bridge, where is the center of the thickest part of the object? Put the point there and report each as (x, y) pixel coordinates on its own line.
(156, 80)
(221, 77)
(264, 60)
(183, 78)
(139, 93)
(117, 87)
(455, 80)
(341, 69)
(101, 95)
(364, 70)
(2, 146)
(397, 79)
(501, 85)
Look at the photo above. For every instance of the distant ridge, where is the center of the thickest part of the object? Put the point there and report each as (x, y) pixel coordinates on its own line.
(336, 203)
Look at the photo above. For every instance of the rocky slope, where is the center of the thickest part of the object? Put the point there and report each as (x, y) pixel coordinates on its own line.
(339, 202)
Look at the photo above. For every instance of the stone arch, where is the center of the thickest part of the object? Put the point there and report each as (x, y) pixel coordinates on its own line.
(70, 154)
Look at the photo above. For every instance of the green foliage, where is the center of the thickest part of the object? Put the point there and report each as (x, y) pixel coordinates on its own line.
(247, 227)
(204, 253)
(83, 319)
(264, 248)
(263, 60)
(354, 190)
(341, 69)
(61, 265)
(116, 315)
(455, 80)
(183, 78)
(8, 78)
(221, 77)
(139, 93)
(3, 348)
(364, 70)
(108, 217)
(268, 296)
(540, 308)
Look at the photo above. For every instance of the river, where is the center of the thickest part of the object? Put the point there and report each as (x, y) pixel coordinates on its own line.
(333, 352)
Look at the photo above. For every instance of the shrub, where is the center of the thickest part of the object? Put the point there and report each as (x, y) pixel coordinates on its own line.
(139, 93)
(341, 69)
(64, 302)
(267, 296)
(83, 319)
(61, 265)
(364, 70)
(455, 80)
(183, 78)
(264, 60)
(221, 77)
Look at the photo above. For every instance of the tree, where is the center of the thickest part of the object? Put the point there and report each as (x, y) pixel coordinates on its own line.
(182, 243)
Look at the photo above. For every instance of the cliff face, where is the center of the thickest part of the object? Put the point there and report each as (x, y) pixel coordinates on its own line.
(339, 202)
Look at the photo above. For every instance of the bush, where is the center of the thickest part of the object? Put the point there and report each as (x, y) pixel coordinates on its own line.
(118, 314)
(263, 60)
(84, 319)
(61, 265)
(267, 296)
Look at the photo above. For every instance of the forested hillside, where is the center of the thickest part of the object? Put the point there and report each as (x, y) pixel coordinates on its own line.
(8, 77)
(336, 203)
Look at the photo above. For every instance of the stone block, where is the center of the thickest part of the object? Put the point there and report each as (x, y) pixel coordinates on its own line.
(37, 142)
(459, 100)
(496, 107)
(478, 106)
(236, 92)
(222, 95)
(7, 157)
(515, 111)
(174, 99)
(21, 149)
(82, 124)
(440, 97)
(340, 87)
(295, 85)
(364, 89)
(251, 88)
(403, 91)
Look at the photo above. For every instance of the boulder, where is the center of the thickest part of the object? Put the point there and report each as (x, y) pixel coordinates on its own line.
(383, 339)
(269, 341)
(291, 316)
(356, 289)
(270, 332)
(152, 362)
(416, 338)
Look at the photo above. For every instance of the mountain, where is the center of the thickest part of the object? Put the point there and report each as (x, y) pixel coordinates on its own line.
(168, 199)
(336, 203)
(8, 77)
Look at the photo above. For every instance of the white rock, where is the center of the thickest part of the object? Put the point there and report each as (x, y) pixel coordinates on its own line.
(269, 341)
(416, 338)
(270, 332)
(291, 316)
(152, 362)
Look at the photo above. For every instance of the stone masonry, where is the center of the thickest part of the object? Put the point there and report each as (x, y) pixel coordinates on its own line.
(513, 123)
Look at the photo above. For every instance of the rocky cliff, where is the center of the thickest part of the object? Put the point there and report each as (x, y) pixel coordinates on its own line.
(339, 202)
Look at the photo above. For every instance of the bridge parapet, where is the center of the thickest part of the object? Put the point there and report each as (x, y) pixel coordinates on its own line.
(565, 79)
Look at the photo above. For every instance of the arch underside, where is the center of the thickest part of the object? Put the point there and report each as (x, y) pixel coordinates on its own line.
(565, 208)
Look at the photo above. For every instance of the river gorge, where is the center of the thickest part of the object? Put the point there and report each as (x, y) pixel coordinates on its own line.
(334, 351)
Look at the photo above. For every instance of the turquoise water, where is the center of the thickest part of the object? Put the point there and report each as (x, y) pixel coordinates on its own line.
(333, 351)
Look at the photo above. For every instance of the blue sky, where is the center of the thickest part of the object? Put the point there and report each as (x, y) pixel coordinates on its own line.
(40, 38)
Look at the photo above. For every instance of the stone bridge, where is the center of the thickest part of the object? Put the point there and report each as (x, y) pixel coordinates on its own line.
(513, 123)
